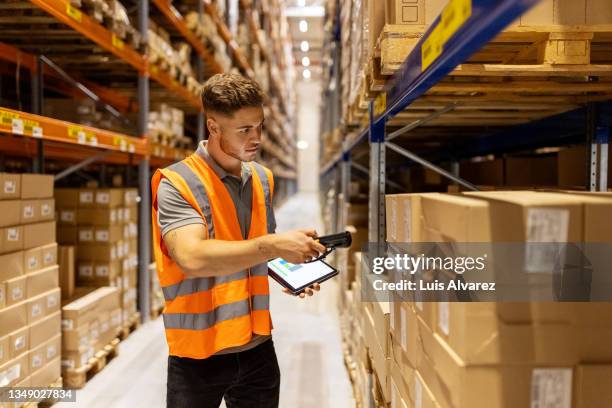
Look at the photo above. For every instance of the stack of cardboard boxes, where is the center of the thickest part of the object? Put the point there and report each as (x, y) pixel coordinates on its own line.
(102, 224)
(89, 323)
(506, 354)
(29, 291)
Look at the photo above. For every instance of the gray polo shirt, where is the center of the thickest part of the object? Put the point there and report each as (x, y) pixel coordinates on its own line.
(173, 211)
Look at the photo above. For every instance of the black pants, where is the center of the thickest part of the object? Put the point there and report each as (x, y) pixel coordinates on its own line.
(249, 379)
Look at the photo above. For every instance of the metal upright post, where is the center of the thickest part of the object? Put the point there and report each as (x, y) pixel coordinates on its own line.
(376, 205)
(345, 180)
(37, 104)
(603, 134)
(144, 179)
(200, 76)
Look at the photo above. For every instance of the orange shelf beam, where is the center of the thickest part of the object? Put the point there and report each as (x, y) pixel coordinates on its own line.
(41, 127)
(177, 20)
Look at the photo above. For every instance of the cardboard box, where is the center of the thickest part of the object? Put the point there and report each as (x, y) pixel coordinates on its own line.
(10, 186)
(130, 197)
(531, 171)
(12, 265)
(83, 309)
(47, 209)
(403, 212)
(42, 281)
(4, 349)
(99, 216)
(86, 197)
(487, 173)
(32, 260)
(30, 211)
(49, 254)
(72, 360)
(39, 234)
(16, 290)
(2, 295)
(98, 252)
(43, 305)
(13, 318)
(47, 375)
(67, 216)
(67, 235)
(13, 371)
(36, 186)
(109, 197)
(66, 270)
(18, 342)
(115, 318)
(44, 329)
(130, 214)
(108, 234)
(11, 213)
(76, 339)
(86, 234)
(11, 239)
(400, 377)
(413, 12)
(66, 198)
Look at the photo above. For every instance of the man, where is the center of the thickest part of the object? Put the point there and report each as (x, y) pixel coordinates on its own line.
(213, 228)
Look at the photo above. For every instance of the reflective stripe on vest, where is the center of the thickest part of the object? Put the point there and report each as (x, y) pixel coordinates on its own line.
(206, 314)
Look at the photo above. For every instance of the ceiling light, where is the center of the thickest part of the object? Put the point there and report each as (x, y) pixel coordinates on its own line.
(304, 46)
(301, 3)
(306, 73)
(306, 61)
(302, 144)
(303, 26)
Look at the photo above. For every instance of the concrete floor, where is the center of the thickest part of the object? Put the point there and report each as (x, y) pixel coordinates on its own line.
(306, 335)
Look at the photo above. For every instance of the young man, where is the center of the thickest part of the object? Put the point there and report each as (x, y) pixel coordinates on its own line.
(213, 228)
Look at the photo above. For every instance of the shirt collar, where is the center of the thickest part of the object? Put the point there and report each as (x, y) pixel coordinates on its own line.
(202, 151)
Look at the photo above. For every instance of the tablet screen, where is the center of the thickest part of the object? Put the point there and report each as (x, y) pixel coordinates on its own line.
(299, 275)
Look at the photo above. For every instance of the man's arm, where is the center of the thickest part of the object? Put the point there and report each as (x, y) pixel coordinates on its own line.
(198, 256)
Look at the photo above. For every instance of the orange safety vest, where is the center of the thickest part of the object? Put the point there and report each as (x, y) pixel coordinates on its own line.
(206, 314)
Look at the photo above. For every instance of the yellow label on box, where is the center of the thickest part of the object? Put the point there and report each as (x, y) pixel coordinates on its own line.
(73, 12)
(117, 42)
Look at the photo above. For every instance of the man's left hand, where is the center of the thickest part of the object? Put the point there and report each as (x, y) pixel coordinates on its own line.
(308, 291)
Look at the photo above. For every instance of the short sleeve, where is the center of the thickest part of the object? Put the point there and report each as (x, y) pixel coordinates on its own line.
(173, 211)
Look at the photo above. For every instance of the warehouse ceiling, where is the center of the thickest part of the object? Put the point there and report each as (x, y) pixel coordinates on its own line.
(306, 25)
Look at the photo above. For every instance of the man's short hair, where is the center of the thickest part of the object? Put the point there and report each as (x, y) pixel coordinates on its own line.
(227, 93)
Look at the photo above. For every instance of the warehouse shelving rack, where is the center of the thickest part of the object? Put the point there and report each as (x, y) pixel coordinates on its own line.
(442, 54)
(27, 134)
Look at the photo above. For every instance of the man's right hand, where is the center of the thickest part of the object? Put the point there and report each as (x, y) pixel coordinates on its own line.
(297, 246)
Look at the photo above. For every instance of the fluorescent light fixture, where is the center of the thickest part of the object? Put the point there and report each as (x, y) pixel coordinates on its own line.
(306, 61)
(304, 46)
(302, 144)
(306, 73)
(303, 26)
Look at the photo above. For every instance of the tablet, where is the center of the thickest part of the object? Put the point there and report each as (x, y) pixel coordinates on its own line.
(297, 277)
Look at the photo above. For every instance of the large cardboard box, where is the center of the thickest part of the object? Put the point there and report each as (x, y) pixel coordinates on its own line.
(451, 218)
(42, 281)
(66, 198)
(16, 289)
(400, 377)
(67, 261)
(39, 234)
(13, 318)
(75, 359)
(403, 212)
(49, 254)
(36, 186)
(2, 295)
(13, 371)
(84, 309)
(413, 12)
(45, 353)
(86, 197)
(98, 252)
(109, 197)
(44, 329)
(11, 265)
(47, 209)
(19, 342)
(76, 339)
(67, 216)
(32, 260)
(48, 374)
(10, 186)
(30, 211)
(108, 234)
(11, 239)
(86, 234)
(67, 234)
(487, 172)
(99, 216)
(531, 171)
(4, 349)
(43, 305)
(11, 213)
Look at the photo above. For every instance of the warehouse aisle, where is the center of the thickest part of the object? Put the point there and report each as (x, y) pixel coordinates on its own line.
(306, 335)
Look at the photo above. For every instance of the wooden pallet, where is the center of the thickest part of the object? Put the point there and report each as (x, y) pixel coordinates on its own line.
(45, 404)
(130, 326)
(77, 378)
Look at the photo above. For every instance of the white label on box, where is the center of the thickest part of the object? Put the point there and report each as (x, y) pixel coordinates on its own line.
(85, 235)
(102, 270)
(10, 375)
(32, 262)
(102, 235)
(37, 132)
(20, 342)
(48, 258)
(17, 126)
(52, 301)
(17, 293)
(36, 310)
(102, 198)
(418, 393)
(9, 187)
(86, 197)
(12, 234)
(67, 324)
(403, 334)
(407, 219)
(28, 211)
(51, 351)
(548, 226)
(551, 388)
(443, 317)
(86, 270)
(67, 216)
(36, 361)
(68, 363)
(45, 210)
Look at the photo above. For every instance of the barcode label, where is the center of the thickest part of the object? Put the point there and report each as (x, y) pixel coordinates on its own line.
(551, 388)
(67, 216)
(85, 235)
(547, 226)
(9, 187)
(12, 234)
(86, 270)
(86, 197)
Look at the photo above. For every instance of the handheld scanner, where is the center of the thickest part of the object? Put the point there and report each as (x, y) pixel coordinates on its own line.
(340, 240)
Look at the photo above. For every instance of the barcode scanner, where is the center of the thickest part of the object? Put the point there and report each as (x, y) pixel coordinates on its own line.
(331, 242)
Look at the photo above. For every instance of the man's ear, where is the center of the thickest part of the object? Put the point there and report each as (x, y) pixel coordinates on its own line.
(213, 126)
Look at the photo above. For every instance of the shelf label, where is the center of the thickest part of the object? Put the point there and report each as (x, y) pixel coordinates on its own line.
(6, 118)
(452, 18)
(131, 148)
(73, 12)
(117, 42)
(17, 126)
(380, 104)
(29, 127)
(81, 135)
(93, 140)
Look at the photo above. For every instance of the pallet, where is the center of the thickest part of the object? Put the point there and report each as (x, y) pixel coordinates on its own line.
(130, 326)
(45, 404)
(77, 378)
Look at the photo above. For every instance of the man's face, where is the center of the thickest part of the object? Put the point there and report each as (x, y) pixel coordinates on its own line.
(239, 135)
